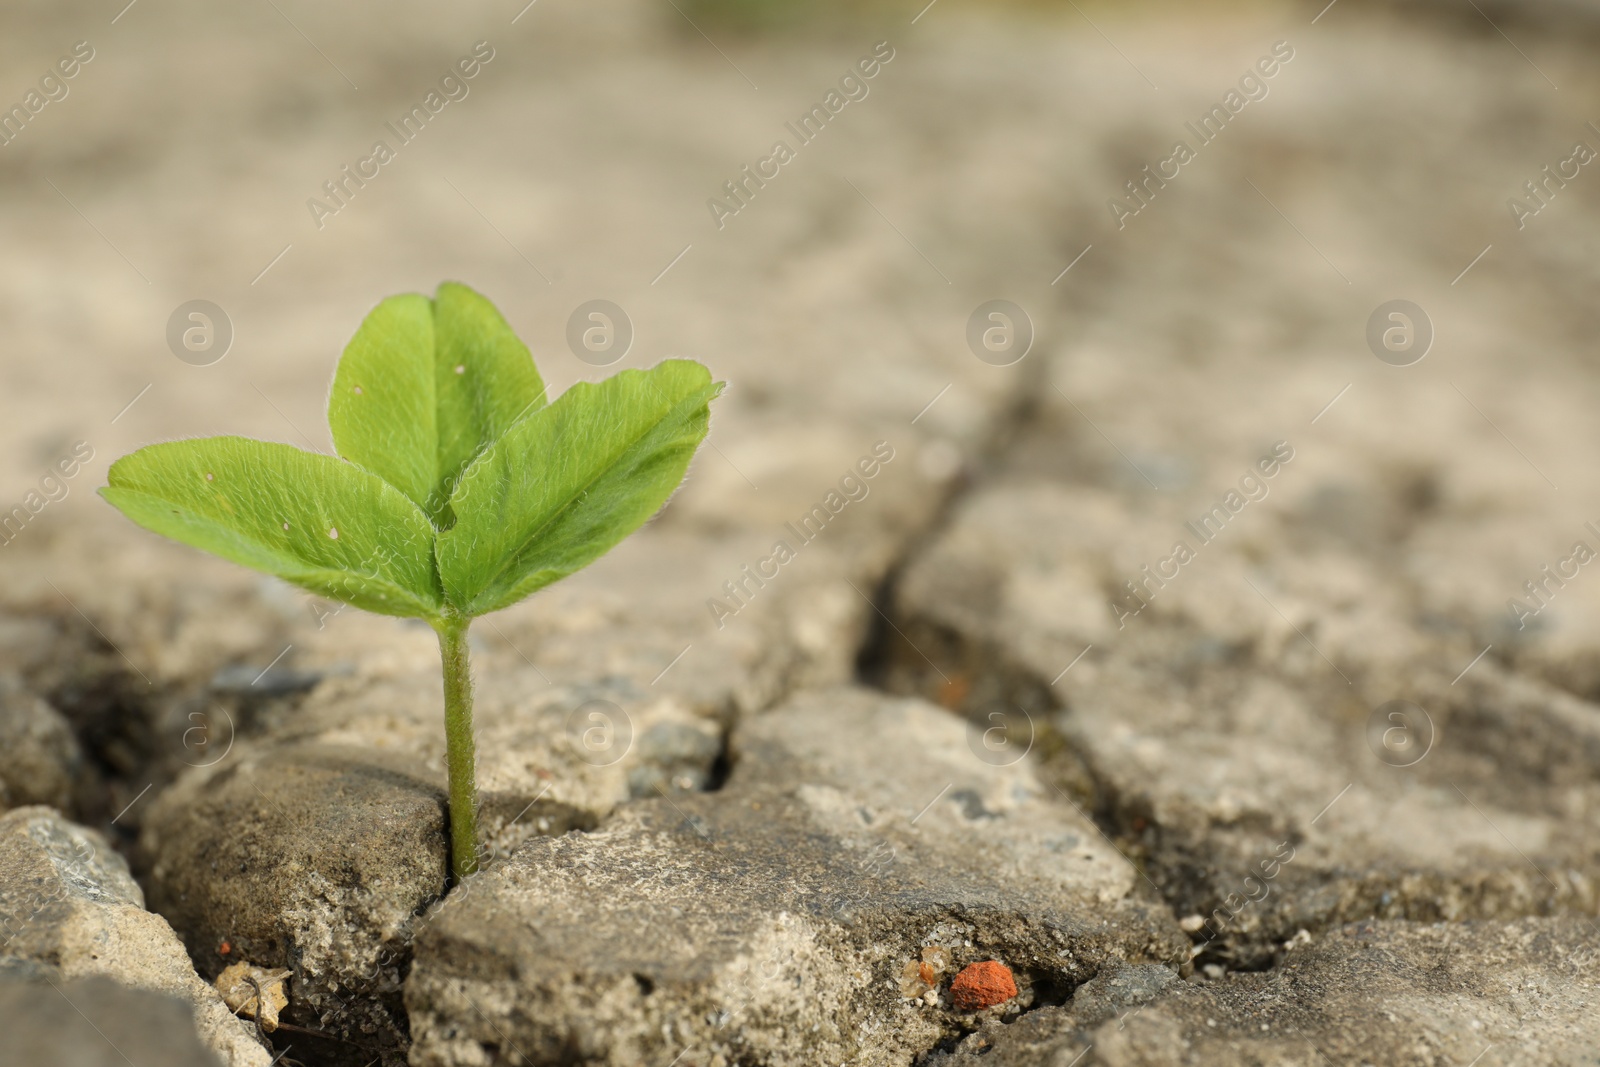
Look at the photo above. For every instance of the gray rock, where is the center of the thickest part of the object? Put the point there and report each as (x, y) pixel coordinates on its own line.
(95, 1022)
(550, 758)
(68, 903)
(674, 757)
(775, 921)
(77, 860)
(1264, 807)
(1113, 992)
(1411, 995)
(39, 756)
(1243, 770)
(309, 856)
(315, 845)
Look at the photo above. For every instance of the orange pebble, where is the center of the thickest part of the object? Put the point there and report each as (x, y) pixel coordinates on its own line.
(983, 985)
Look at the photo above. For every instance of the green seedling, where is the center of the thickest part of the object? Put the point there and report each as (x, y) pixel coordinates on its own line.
(457, 490)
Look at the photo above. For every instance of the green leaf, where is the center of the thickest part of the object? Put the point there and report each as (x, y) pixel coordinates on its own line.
(570, 481)
(427, 385)
(310, 519)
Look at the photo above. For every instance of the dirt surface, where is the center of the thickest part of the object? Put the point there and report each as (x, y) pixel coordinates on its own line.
(1261, 617)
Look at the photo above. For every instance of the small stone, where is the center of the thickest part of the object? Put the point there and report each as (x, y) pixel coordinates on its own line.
(935, 962)
(983, 985)
(254, 991)
(673, 756)
(912, 984)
